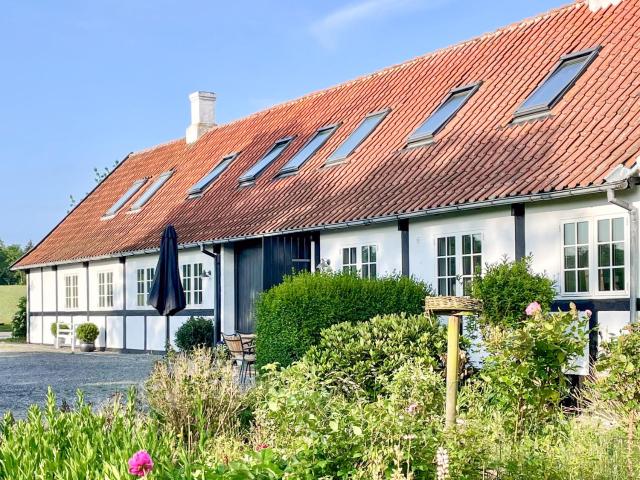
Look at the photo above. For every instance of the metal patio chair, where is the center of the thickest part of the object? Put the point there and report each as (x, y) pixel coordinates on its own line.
(243, 354)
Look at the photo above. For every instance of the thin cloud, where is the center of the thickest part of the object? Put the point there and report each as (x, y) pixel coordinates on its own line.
(328, 29)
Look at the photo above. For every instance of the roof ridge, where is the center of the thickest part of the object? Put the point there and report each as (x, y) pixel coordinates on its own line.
(407, 63)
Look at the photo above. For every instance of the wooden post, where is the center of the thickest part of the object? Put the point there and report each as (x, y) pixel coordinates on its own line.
(453, 356)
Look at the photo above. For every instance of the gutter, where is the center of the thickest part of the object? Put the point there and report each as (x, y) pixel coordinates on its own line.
(620, 184)
(218, 323)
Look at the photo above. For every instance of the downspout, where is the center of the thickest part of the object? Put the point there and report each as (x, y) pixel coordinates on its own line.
(633, 250)
(216, 313)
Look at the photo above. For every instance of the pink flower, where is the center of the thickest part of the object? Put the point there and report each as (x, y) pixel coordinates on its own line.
(533, 308)
(412, 409)
(140, 463)
(261, 446)
(588, 313)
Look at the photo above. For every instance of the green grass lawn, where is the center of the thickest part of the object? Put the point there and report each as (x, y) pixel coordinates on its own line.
(9, 296)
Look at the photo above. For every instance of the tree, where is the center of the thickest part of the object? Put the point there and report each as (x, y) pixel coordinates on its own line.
(9, 254)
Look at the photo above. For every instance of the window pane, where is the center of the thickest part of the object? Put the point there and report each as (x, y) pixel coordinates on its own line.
(477, 264)
(553, 86)
(466, 244)
(308, 150)
(357, 137)
(373, 271)
(451, 245)
(365, 254)
(137, 185)
(604, 279)
(373, 253)
(618, 278)
(603, 231)
(618, 229)
(442, 114)
(365, 271)
(583, 280)
(452, 266)
(442, 247)
(569, 233)
(442, 286)
(477, 243)
(466, 265)
(466, 286)
(618, 253)
(353, 254)
(442, 267)
(345, 256)
(213, 174)
(583, 232)
(570, 257)
(151, 191)
(570, 281)
(264, 162)
(604, 255)
(451, 283)
(583, 256)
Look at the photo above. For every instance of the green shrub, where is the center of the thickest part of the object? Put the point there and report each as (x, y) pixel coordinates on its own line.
(507, 288)
(54, 328)
(195, 332)
(366, 355)
(87, 332)
(291, 315)
(19, 321)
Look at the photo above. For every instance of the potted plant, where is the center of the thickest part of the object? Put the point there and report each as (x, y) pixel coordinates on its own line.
(87, 334)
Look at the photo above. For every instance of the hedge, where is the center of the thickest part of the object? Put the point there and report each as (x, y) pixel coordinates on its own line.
(291, 315)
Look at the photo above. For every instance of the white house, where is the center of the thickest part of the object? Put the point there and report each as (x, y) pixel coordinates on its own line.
(521, 141)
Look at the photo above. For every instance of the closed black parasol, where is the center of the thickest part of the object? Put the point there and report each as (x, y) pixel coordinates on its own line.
(167, 294)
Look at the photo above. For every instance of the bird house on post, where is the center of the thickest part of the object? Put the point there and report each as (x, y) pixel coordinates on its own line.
(455, 308)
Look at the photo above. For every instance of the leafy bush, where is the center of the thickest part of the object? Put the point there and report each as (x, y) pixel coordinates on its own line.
(19, 321)
(87, 332)
(291, 315)
(195, 393)
(54, 327)
(366, 355)
(195, 332)
(507, 288)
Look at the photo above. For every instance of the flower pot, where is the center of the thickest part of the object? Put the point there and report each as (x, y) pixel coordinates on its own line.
(87, 347)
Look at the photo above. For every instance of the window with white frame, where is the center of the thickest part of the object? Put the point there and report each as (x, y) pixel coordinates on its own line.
(350, 260)
(192, 283)
(369, 259)
(105, 289)
(575, 253)
(71, 291)
(446, 258)
(611, 274)
(144, 281)
(594, 256)
(471, 260)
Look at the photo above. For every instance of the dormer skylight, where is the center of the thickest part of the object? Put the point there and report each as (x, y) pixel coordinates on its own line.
(137, 185)
(250, 175)
(359, 135)
(306, 152)
(453, 102)
(151, 191)
(558, 82)
(210, 177)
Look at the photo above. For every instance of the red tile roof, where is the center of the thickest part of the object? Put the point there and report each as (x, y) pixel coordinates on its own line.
(478, 155)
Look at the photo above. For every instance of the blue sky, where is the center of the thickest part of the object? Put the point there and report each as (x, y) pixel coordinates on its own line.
(85, 83)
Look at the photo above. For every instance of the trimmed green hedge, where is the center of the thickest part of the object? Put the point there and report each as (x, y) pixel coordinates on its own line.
(291, 315)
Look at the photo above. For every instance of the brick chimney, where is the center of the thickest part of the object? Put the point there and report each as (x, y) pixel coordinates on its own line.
(595, 5)
(202, 114)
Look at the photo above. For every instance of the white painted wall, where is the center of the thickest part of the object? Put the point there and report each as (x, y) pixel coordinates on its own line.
(156, 332)
(81, 272)
(35, 292)
(496, 226)
(96, 267)
(386, 237)
(49, 291)
(135, 333)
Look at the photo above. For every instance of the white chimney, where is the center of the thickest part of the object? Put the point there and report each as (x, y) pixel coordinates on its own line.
(595, 5)
(202, 114)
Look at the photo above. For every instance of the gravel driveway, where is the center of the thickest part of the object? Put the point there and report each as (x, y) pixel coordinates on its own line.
(27, 370)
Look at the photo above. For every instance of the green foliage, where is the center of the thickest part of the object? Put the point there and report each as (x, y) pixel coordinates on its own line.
(54, 328)
(87, 332)
(195, 332)
(19, 321)
(366, 355)
(507, 288)
(524, 373)
(9, 254)
(291, 315)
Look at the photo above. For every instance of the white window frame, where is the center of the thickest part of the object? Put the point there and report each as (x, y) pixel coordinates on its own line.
(71, 292)
(593, 291)
(192, 283)
(105, 289)
(459, 277)
(358, 263)
(143, 284)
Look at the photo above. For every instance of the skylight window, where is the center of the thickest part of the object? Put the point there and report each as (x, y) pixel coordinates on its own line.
(209, 178)
(359, 135)
(151, 191)
(454, 101)
(137, 185)
(312, 146)
(275, 151)
(561, 79)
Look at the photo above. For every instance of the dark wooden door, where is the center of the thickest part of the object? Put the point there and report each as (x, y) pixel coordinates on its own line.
(248, 260)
